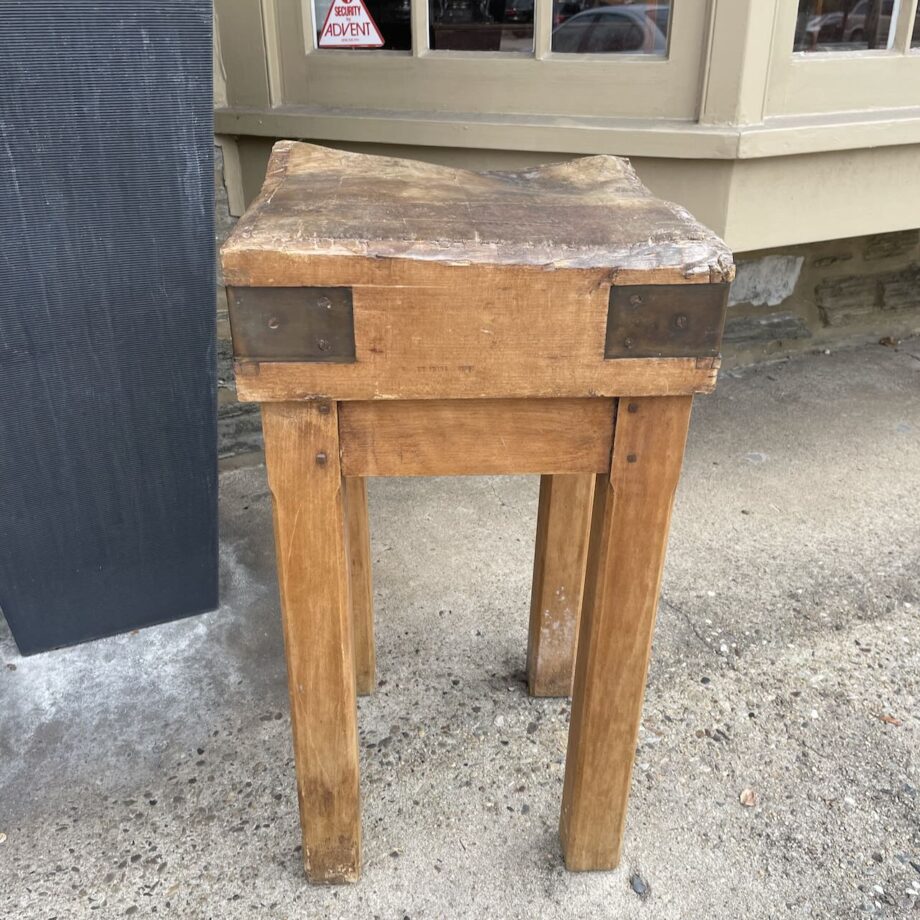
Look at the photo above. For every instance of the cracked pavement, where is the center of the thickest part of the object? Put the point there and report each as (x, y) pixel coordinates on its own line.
(153, 772)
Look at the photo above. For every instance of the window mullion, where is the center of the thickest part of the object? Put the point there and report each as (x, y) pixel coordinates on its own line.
(542, 28)
(907, 11)
(419, 25)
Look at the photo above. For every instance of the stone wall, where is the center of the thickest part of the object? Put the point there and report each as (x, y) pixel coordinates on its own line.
(823, 296)
(813, 297)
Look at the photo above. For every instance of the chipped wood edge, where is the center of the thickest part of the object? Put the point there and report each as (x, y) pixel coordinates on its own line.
(281, 381)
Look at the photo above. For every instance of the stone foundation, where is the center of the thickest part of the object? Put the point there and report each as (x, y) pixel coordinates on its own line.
(823, 296)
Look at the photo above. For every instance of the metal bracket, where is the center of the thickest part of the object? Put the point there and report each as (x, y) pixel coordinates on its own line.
(293, 323)
(665, 320)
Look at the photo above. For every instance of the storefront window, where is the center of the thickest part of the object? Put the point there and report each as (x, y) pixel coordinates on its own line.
(579, 26)
(591, 27)
(481, 25)
(844, 25)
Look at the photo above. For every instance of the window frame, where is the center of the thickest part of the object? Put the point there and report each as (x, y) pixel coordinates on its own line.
(814, 83)
(498, 83)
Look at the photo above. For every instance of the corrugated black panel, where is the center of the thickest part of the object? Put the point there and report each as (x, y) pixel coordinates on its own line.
(107, 352)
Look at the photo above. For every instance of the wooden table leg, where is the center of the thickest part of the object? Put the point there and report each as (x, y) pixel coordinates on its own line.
(629, 535)
(359, 570)
(302, 457)
(563, 520)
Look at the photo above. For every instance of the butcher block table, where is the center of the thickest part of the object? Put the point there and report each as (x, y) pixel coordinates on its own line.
(395, 318)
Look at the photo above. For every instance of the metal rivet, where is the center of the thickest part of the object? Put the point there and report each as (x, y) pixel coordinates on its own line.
(627, 343)
(635, 300)
(633, 407)
(321, 458)
(323, 344)
(681, 321)
(273, 322)
(631, 458)
(324, 408)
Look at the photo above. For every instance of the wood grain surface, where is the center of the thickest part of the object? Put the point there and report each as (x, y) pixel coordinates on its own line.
(520, 377)
(626, 550)
(587, 213)
(359, 572)
(467, 285)
(563, 519)
(475, 437)
(302, 460)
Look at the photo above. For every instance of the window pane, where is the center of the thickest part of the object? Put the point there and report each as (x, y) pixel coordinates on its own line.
(379, 24)
(844, 25)
(481, 25)
(614, 27)
(915, 37)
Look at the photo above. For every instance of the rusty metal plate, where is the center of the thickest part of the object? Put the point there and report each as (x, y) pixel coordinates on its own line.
(665, 320)
(293, 323)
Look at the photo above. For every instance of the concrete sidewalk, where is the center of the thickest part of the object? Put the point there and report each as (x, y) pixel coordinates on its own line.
(153, 772)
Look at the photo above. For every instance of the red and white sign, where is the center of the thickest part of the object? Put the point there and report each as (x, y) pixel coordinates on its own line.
(349, 25)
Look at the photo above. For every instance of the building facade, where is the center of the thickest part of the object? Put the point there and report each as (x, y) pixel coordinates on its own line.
(791, 127)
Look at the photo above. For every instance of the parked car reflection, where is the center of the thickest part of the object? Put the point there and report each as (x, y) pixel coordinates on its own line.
(636, 28)
(844, 25)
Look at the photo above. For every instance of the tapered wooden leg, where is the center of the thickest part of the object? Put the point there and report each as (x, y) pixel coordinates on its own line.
(563, 520)
(302, 457)
(359, 569)
(629, 535)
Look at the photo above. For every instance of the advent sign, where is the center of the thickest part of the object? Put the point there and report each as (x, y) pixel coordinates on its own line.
(349, 25)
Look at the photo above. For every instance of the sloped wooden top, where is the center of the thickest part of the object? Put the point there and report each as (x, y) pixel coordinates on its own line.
(591, 212)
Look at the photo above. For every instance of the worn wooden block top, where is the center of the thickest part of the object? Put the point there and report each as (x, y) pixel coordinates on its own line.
(361, 278)
(591, 212)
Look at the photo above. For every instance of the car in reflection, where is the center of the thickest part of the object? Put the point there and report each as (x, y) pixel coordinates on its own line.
(848, 26)
(855, 30)
(826, 29)
(639, 28)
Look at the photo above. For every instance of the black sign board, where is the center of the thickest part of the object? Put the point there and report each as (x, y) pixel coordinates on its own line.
(107, 352)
